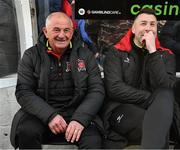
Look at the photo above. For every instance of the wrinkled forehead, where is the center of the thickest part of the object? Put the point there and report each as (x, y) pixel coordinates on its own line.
(59, 18)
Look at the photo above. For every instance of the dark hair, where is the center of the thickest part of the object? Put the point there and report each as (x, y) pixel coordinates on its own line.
(146, 11)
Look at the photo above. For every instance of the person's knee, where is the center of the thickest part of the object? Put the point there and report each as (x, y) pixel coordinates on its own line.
(165, 95)
(163, 102)
(30, 128)
(95, 142)
(90, 139)
(126, 118)
(164, 91)
(91, 142)
(26, 132)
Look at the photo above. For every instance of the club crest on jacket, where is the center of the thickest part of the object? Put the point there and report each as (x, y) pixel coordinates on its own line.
(81, 65)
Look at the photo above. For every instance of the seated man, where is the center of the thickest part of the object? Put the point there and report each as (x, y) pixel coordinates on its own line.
(139, 77)
(59, 89)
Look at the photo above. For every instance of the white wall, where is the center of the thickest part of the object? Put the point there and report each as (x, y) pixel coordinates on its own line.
(8, 107)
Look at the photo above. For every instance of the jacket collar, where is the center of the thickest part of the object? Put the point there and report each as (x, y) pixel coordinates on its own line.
(125, 43)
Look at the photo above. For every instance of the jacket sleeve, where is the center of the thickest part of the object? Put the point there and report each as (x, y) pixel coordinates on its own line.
(161, 66)
(94, 95)
(116, 88)
(26, 87)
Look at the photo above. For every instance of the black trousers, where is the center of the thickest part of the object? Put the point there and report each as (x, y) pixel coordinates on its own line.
(32, 133)
(149, 127)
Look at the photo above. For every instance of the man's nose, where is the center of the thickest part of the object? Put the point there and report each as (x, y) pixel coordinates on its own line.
(61, 34)
(148, 28)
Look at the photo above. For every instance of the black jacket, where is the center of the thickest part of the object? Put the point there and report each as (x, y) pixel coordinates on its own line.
(170, 38)
(33, 76)
(130, 78)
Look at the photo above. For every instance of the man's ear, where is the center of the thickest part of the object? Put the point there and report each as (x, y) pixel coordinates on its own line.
(133, 29)
(45, 31)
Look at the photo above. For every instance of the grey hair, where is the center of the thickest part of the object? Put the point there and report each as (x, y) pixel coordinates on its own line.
(61, 14)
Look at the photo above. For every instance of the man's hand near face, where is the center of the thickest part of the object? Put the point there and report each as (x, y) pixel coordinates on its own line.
(58, 124)
(149, 39)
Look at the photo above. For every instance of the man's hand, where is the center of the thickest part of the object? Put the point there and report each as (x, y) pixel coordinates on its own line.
(149, 39)
(74, 131)
(57, 124)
